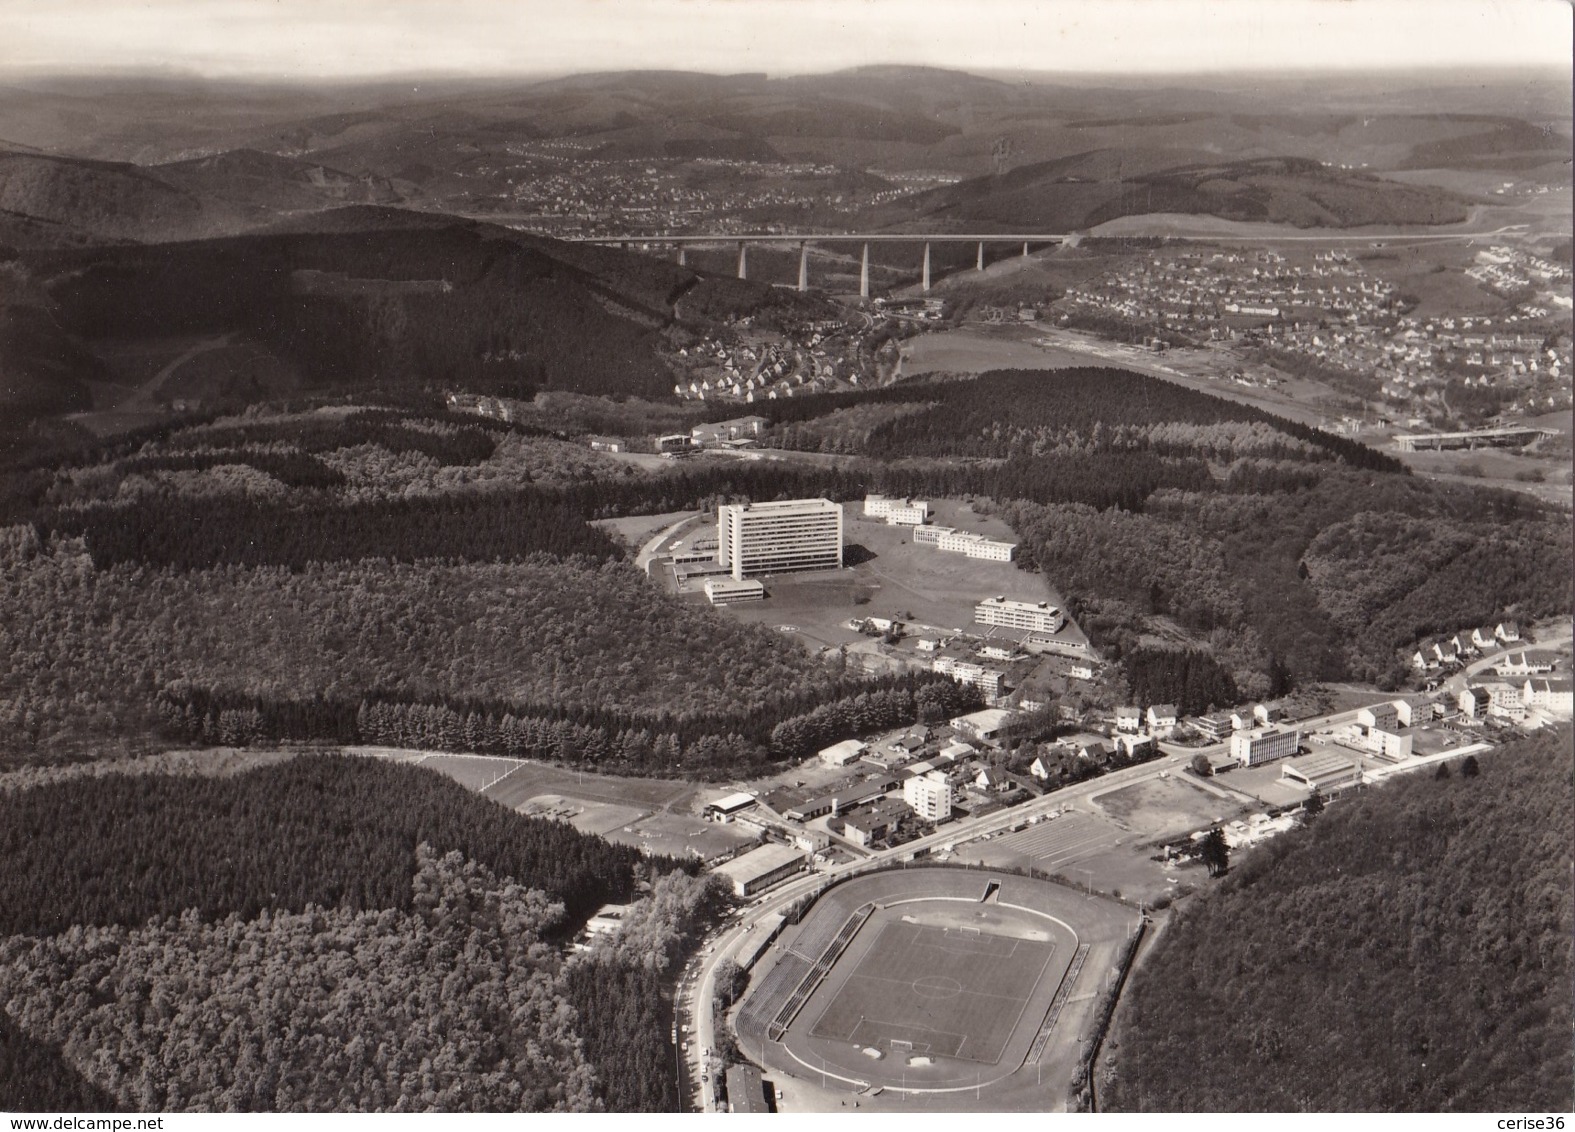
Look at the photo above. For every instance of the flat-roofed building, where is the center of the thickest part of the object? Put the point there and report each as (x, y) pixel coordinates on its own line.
(1217, 728)
(897, 512)
(987, 680)
(776, 538)
(841, 754)
(726, 591)
(1033, 617)
(976, 546)
(1263, 744)
(929, 796)
(1391, 743)
(932, 535)
(1327, 772)
(760, 868)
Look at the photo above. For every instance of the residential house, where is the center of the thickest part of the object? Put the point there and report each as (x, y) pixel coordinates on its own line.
(1216, 728)
(1161, 718)
(1129, 719)
(1474, 703)
(1413, 711)
(1135, 746)
(1484, 637)
(1551, 694)
(1507, 631)
(1527, 663)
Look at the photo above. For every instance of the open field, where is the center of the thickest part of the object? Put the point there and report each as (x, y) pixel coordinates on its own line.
(894, 579)
(522, 779)
(1166, 807)
(587, 817)
(680, 835)
(636, 529)
(949, 992)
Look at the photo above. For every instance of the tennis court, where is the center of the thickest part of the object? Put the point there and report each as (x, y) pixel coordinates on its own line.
(937, 992)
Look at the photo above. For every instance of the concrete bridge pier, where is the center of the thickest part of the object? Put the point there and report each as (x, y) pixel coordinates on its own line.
(981, 255)
(925, 283)
(1025, 249)
(683, 255)
(864, 274)
(803, 267)
(743, 260)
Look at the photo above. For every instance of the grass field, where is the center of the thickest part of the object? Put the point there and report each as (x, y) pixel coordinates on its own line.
(895, 579)
(1166, 807)
(948, 991)
(587, 817)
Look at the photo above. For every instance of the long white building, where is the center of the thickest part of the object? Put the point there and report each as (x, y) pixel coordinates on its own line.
(775, 538)
(1034, 618)
(897, 512)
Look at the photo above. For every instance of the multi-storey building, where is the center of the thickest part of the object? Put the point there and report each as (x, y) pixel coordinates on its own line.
(1040, 617)
(1263, 744)
(897, 512)
(976, 546)
(774, 538)
(987, 680)
(929, 796)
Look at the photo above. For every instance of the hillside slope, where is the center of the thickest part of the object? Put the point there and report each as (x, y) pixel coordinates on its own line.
(1409, 952)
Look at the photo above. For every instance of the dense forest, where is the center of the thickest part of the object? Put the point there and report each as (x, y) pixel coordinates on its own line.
(330, 831)
(417, 577)
(327, 933)
(1410, 951)
(564, 659)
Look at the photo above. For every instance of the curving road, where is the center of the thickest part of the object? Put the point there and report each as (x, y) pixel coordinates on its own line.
(698, 982)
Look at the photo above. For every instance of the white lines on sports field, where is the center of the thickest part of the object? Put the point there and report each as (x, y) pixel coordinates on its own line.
(1068, 838)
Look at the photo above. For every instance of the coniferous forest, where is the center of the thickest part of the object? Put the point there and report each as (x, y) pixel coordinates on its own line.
(1410, 950)
(326, 934)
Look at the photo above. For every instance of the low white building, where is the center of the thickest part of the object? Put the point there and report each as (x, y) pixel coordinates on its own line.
(843, 753)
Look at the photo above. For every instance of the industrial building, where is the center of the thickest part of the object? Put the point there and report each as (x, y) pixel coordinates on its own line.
(1034, 617)
(841, 754)
(1263, 744)
(761, 868)
(982, 725)
(730, 805)
(1328, 773)
(774, 538)
(929, 796)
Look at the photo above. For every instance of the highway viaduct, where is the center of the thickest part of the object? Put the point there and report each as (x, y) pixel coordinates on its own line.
(864, 239)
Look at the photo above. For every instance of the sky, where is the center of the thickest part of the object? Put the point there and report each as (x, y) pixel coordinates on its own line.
(357, 39)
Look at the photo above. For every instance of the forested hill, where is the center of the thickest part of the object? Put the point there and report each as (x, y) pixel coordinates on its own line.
(327, 934)
(326, 831)
(1411, 951)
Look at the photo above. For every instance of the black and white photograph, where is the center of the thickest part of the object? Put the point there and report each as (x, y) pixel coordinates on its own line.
(874, 558)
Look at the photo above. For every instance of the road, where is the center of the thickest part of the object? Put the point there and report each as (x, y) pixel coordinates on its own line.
(1457, 683)
(697, 985)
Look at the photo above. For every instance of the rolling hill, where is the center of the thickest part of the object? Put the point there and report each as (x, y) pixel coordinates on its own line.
(1088, 189)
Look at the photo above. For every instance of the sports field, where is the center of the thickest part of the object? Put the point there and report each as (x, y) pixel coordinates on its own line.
(949, 991)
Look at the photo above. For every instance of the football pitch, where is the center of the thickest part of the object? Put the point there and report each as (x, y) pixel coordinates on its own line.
(936, 992)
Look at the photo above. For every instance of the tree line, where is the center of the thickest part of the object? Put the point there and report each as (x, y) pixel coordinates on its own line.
(326, 831)
(1408, 951)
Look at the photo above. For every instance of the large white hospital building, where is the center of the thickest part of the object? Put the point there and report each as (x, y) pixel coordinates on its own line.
(774, 538)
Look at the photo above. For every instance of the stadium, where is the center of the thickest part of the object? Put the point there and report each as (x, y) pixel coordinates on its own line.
(927, 981)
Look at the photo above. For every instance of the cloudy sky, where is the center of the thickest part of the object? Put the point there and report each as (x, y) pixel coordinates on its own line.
(365, 38)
